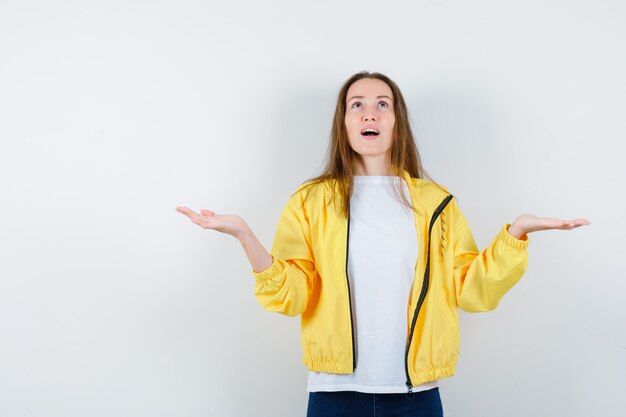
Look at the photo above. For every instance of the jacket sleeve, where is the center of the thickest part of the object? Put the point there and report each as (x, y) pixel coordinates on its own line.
(482, 278)
(285, 285)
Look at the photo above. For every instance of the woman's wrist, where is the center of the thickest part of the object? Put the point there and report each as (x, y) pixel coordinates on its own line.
(516, 231)
(260, 259)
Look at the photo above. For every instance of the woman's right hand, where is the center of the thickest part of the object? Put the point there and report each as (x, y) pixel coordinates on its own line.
(225, 223)
(260, 259)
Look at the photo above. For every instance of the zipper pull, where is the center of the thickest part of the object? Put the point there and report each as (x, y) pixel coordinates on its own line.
(409, 394)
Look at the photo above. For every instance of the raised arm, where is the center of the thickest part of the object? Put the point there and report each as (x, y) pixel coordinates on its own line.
(482, 278)
(285, 279)
(260, 259)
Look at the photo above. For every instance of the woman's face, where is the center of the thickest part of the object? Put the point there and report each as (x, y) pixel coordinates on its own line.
(370, 117)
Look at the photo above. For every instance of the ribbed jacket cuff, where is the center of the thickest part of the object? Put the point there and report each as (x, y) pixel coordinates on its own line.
(271, 272)
(511, 240)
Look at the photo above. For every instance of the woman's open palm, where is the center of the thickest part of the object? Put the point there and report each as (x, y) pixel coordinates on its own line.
(527, 223)
(532, 223)
(225, 223)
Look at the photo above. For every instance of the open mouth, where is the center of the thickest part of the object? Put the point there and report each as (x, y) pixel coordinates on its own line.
(370, 132)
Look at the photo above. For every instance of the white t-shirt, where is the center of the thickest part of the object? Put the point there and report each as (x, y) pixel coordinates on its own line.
(382, 252)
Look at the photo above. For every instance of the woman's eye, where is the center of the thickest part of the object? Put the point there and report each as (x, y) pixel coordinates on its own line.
(384, 104)
(356, 104)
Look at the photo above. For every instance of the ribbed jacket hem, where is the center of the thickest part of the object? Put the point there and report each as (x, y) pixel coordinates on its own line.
(330, 367)
(417, 378)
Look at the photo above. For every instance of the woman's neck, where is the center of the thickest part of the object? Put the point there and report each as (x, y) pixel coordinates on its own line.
(373, 166)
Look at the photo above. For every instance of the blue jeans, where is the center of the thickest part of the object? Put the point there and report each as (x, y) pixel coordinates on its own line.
(359, 404)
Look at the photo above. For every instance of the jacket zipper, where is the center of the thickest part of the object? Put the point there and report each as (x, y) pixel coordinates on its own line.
(350, 299)
(420, 301)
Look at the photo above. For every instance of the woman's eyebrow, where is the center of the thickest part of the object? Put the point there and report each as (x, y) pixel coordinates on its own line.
(362, 97)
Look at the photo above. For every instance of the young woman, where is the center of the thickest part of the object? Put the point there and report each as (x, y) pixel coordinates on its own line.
(376, 260)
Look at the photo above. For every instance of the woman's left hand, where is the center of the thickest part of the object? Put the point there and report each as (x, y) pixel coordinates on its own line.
(527, 223)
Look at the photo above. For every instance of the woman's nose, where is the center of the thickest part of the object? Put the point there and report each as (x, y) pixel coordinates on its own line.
(369, 118)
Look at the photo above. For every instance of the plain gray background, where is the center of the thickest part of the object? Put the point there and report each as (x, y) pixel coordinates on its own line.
(112, 113)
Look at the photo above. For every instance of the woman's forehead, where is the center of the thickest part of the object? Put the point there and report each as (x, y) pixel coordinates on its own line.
(368, 88)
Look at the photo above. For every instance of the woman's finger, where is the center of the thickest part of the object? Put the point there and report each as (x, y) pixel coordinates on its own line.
(580, 222)
(187, 212)
(571, 224)
(556, 223)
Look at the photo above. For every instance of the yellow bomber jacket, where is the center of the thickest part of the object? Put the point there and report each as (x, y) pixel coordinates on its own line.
(308, 276)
